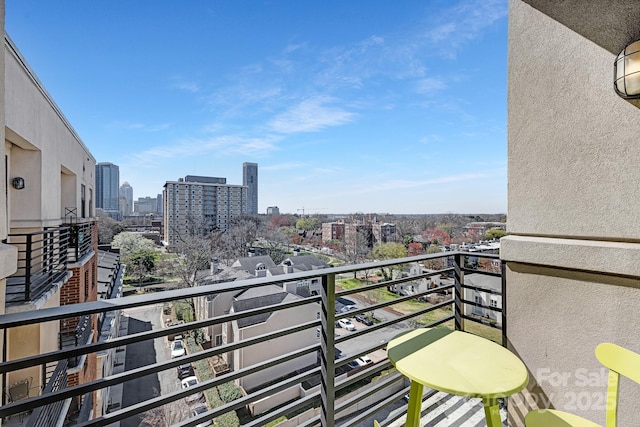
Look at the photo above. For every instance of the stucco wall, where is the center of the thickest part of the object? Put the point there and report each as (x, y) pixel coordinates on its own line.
(573, 277)
(573, 143)
(277, 347)
(44, 146)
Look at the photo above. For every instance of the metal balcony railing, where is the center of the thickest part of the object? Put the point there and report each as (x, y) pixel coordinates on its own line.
(80, 236)
(343, 396)
(43, 258)
(48, 414)
(74, 337)
(42, 262)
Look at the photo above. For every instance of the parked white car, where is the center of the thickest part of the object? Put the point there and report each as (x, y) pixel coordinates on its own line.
(190, 382)
(177, 348)
(346, 324)
(364, 361)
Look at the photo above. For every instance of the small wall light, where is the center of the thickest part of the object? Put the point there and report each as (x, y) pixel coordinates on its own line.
(18, 183)
(626, 72)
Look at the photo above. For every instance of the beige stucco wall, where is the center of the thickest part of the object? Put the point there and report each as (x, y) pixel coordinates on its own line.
(573, 276)
(28, 340)
(43, 148)
(270, 349)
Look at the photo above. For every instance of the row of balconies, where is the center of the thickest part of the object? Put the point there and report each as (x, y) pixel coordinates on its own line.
(328, 392)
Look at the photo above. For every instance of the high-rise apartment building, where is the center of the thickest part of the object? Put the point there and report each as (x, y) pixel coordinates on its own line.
(107, 188)
(196, 205)
(126, 199)
(250, 179)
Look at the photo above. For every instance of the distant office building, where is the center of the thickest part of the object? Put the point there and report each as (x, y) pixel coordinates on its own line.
(146, 205)
(107, 188)
(250, 180)
(159, 204)
(273, 210)
(126, 199)
(196, 205)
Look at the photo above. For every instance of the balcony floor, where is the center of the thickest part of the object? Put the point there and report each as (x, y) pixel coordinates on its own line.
(445, 410)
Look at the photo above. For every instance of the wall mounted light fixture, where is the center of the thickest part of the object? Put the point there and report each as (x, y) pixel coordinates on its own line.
(626, 72)
(18, 183)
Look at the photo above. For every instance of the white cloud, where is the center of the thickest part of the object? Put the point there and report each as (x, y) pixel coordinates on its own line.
(428, 86)
(222, 145)
(283, 166)
(311, 115)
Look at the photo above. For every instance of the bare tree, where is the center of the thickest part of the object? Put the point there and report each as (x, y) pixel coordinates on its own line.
(165, 415)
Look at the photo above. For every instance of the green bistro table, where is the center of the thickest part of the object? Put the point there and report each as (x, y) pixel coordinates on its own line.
(458, 363)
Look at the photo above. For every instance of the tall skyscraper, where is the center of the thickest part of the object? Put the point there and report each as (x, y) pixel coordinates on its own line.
(250, 179)
(126, 199)
(107, 191)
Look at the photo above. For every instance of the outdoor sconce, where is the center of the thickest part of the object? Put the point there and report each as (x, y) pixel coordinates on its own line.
(18, 183)
(626, 72)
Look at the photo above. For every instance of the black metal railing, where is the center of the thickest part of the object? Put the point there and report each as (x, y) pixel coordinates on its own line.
(42, 261)
(79, 240)
(48, 414)
(329, 385)
(74, 337)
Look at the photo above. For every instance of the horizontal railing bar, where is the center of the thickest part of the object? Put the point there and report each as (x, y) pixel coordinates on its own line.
(369, 370)
(391, 282)
(143, 336)
(379, 385)
(485, 273)
(201, 387)
(57, 313)
(477, 304)
(14, 408)
(485, 290)
(398, 319)
(274, 415)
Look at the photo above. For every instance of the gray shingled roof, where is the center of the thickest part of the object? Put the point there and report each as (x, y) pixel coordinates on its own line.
(306, 262)
(248, 264)
(242, 304)
(483, 281)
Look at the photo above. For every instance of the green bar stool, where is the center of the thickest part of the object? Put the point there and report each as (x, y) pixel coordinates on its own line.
(620, 361)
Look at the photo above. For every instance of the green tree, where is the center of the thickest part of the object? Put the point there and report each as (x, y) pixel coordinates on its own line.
(141, 263)
(309, 223)
(386, 251)
(495, 233)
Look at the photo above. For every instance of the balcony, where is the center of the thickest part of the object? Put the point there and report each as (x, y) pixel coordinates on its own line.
(43, 259)
(327, 392)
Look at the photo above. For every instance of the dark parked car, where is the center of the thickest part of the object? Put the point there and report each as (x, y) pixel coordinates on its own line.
(364, 319)
(185, 371)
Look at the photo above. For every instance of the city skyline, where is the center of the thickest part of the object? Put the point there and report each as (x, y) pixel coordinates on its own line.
(358, 107)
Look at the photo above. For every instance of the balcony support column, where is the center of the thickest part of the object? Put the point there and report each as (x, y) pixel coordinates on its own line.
(327, 342)
(458, 294)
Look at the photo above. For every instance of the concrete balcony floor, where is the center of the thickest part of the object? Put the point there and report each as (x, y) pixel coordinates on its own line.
(445, 410)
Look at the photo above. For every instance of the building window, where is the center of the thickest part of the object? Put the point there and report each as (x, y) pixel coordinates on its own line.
(82, 192)
(218, 339)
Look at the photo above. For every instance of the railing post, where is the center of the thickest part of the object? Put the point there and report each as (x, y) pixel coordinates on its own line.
(327, 343)
(27, 268)
(459, 292)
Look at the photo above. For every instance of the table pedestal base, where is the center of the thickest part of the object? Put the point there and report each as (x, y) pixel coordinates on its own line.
(492, 412)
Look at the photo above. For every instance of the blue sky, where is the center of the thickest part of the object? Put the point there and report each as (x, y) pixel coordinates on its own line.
(346, 106)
